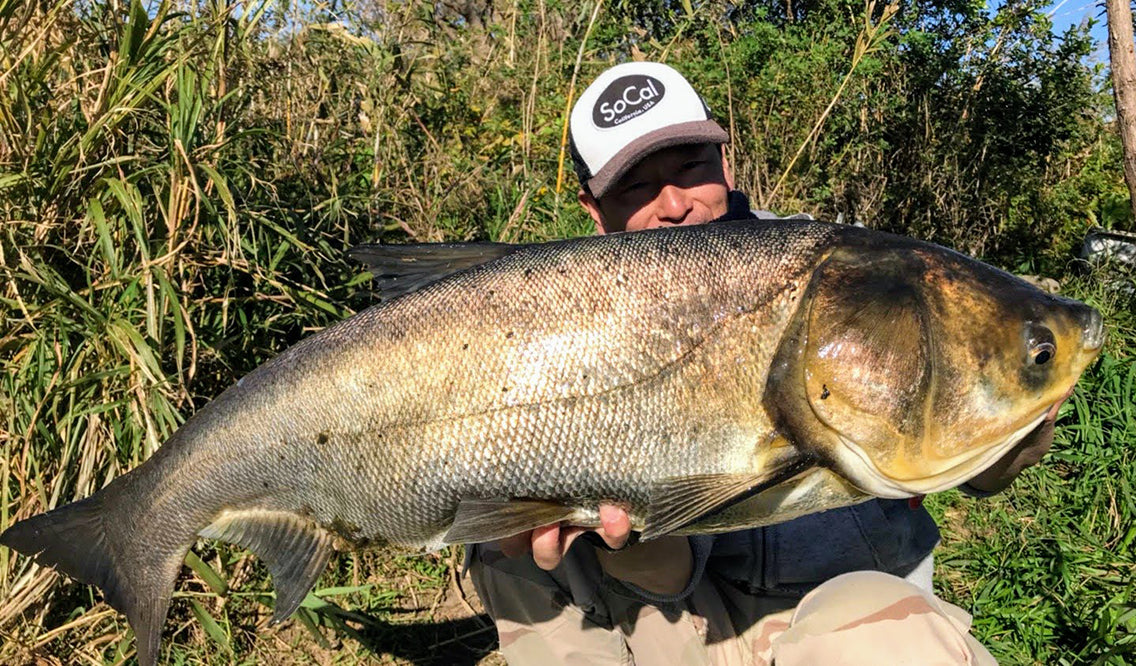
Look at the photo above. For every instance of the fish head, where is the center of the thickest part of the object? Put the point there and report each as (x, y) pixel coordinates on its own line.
(909, 369)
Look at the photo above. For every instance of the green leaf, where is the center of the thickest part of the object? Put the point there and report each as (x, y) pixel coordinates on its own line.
(12, 179)
(214, 630)
(308, 619)
(206, 573)
(222, 190)
(340, 591)
(105, 242)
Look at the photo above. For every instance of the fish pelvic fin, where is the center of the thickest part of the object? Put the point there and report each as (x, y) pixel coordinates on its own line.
(480, 520)
(135, 571)
(679, 501)
(295, 549)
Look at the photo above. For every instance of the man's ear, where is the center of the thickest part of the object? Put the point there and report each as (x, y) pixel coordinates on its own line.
(727, 173)
(593, 207)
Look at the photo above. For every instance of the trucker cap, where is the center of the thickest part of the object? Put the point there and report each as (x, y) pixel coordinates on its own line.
(630, 111)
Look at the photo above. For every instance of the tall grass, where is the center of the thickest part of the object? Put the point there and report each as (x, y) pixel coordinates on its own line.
(179, 184)
(179, 181)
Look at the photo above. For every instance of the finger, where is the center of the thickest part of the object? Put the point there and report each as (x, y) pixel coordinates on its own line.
(516, 545)
(1031, 449)
(1052, 415)
(615, 526)
(546, 546)
(1042, 441)
(567, 536)
(1035, 444)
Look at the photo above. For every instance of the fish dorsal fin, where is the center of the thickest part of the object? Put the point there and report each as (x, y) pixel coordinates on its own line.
(480, 520)
(680, 501)
(401, 269)
(295, 550)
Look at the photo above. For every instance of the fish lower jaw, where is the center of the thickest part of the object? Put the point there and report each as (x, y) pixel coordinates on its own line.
(855, 465)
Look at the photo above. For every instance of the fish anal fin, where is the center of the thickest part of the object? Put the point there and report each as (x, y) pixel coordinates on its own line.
(680, 501)
(479, 520)
(295, 549)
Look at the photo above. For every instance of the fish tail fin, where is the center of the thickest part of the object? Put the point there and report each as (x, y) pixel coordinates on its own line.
(89, 541)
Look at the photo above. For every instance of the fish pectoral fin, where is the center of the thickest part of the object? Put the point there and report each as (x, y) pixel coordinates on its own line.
(479, 520)
(680, 501)
(401, 269)
(295, 549)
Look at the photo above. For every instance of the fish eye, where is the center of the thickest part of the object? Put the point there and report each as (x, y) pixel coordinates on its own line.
(1043, 353)
(1040, 344)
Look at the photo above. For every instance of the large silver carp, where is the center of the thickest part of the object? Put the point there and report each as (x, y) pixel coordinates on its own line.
(707, 378)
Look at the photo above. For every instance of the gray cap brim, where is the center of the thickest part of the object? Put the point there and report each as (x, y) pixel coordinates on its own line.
(681, 134)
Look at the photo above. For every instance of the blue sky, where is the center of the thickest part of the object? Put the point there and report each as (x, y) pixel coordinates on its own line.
(1071, 12)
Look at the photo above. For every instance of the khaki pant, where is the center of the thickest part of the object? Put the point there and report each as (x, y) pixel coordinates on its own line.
(864, 617)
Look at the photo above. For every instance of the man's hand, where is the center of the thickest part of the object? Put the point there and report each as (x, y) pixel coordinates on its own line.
(549, 543)
(662, 566)
(1028, 452)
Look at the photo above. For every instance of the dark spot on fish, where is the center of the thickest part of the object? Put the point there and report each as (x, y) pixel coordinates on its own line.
(465, 346)
(528, 272)
(824, 392)
(322, 438)
(265, 484)
(504, 389)
(346, 529)
(509, 334)
(562, 270)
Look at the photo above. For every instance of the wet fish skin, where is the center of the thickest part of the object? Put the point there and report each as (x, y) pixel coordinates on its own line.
(631, 368)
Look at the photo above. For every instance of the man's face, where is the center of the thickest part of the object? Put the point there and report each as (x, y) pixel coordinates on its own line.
(674, 186)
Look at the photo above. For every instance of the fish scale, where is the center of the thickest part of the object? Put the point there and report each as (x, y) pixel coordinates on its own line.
(706, 378)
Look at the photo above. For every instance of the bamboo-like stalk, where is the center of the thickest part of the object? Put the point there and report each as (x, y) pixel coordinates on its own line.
(867, 41)
(572, 96)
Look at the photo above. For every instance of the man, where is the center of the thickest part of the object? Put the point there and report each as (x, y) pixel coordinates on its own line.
(649, 155)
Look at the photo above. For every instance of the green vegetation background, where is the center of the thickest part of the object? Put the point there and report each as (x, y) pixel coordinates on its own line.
(179, 182)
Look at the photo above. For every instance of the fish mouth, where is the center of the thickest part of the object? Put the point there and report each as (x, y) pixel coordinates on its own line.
(855, 463)
(1093, 335)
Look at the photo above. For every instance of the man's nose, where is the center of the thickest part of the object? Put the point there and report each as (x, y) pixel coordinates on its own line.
(674, 204)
